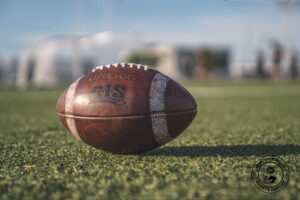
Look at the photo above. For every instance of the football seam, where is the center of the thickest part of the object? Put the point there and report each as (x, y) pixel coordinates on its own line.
(125, 117)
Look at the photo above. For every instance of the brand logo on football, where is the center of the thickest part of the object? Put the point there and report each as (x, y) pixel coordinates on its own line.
(112, 76)
(114, 94)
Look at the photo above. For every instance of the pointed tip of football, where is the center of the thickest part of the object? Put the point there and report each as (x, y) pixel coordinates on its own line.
(178, 98)
(60, 105)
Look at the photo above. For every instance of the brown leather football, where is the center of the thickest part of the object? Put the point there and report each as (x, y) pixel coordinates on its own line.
(125, 108)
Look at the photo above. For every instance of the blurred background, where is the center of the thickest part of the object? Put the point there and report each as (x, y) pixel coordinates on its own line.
(50, 43)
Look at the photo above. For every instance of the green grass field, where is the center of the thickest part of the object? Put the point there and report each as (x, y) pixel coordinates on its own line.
(212, 159)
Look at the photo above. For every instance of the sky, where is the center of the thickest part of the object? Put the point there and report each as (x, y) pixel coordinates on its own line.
(245, 26)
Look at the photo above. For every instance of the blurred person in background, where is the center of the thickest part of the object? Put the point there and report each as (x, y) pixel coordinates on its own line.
(277, 58)
(204, 65)
(260, 63)
(294, 67)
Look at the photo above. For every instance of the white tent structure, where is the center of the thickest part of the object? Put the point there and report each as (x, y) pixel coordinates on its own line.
(59, 61)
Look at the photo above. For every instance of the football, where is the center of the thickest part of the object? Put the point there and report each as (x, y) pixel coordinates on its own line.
(125, 108)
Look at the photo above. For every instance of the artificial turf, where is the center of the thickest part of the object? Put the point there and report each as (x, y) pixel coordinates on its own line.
(212, 159)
